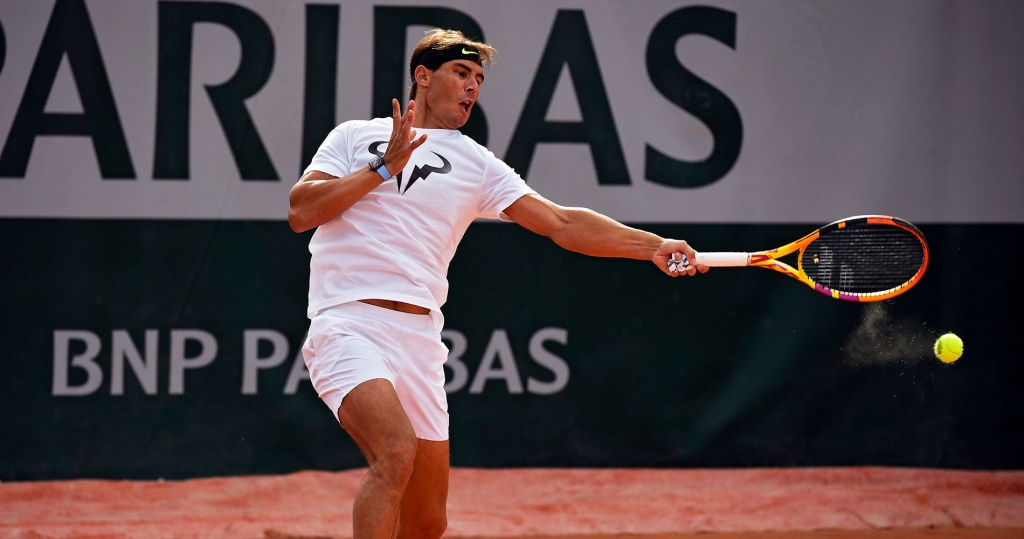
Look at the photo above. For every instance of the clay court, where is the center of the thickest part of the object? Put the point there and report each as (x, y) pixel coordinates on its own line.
(536, 503)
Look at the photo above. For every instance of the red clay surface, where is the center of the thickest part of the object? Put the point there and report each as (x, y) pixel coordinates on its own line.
(569, 503)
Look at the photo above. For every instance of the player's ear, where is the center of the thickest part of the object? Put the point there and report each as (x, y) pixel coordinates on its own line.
(422, 76)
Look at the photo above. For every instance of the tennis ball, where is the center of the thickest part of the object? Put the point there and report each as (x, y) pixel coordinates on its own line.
(949, 348)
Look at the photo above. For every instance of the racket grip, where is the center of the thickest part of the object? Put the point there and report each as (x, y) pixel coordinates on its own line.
(723, 260)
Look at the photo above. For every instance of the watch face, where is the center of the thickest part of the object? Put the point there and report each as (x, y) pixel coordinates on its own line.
(376, 162)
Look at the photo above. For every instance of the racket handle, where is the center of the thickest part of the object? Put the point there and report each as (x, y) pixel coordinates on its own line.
(723, 260)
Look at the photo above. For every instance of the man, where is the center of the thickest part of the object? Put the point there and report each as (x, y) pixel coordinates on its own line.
(392, 198)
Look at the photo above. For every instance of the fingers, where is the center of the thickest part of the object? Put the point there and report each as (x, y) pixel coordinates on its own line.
(396, 116)
(686, 268)
(417, 142)
(402, 123)
(679, 264)
(678, 257)
(404, 138)
(686, 250)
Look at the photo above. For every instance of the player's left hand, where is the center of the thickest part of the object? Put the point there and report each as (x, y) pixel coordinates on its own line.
(673, 257)
(403, 137)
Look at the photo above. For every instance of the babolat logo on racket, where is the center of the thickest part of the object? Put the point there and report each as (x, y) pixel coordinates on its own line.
(418, 172)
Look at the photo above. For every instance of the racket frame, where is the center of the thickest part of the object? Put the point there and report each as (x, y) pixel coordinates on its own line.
(771, 259)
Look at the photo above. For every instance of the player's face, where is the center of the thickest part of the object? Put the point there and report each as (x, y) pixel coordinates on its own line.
(449, 98)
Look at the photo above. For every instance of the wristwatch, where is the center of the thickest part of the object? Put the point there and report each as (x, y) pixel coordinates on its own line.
(377, 165)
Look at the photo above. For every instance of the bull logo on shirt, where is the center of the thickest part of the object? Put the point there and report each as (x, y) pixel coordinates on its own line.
(418, 172)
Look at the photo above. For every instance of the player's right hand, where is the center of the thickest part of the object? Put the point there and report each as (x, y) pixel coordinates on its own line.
(673, 258)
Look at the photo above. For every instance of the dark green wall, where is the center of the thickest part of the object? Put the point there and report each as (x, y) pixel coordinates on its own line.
(739, 367)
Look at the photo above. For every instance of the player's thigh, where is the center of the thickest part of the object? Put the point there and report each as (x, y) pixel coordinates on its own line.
(424, 503)
(373, 416)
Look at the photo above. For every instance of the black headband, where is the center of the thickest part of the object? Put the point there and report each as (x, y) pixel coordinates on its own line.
(433, 58)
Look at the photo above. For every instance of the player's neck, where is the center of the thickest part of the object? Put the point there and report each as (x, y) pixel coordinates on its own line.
(425, 120)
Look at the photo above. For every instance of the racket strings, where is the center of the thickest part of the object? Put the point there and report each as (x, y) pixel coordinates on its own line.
(863, 259)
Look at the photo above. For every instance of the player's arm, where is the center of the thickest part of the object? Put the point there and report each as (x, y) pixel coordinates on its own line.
(585, 231)
(319, 197)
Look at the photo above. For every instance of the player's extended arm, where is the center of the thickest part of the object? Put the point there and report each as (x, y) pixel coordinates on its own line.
(319, 197)
(585, 231)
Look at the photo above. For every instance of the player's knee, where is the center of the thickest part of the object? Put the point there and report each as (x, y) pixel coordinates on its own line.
(395, 462)
(438, 528)
(431, 527)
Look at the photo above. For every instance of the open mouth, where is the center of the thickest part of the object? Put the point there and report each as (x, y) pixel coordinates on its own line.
(466, 105)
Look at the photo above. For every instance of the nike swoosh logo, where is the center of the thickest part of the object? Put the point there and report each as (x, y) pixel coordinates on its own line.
(464, 51)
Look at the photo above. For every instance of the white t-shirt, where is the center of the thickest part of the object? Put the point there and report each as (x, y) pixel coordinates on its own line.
(397, 241)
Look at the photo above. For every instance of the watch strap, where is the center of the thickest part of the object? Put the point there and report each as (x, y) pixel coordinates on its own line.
(377, 164)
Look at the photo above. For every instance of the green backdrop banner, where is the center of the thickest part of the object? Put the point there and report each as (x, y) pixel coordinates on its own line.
(147, 349)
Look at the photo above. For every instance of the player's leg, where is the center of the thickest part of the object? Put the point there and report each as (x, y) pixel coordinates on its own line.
(424, 513)
(373, 416)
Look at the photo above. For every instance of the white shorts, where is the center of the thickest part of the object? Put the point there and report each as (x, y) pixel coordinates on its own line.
(355, 342)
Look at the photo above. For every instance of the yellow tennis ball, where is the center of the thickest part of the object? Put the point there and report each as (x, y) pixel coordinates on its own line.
(949, 348)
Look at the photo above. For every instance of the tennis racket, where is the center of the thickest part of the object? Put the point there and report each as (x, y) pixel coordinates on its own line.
(863, 258)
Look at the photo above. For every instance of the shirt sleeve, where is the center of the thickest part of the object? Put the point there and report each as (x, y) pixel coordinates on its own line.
(333, 156)
(502, 186)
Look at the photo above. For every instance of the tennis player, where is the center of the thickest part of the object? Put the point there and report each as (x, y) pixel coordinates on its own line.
(392, 198)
